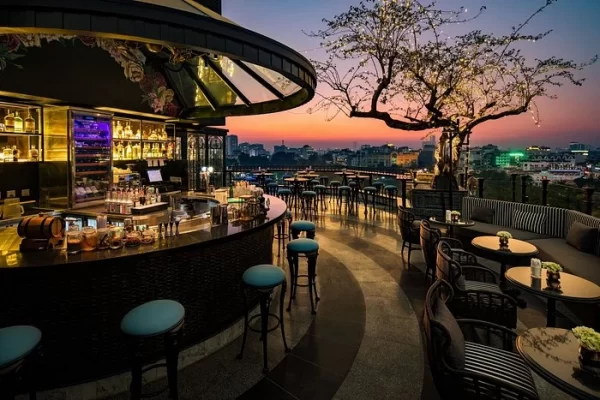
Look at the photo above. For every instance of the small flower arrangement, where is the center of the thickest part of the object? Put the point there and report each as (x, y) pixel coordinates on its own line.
(454, 216)
(504, 235)
(551, 266)
(588, 338)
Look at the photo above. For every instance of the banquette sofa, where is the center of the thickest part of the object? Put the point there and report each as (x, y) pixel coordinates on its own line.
(569, 238)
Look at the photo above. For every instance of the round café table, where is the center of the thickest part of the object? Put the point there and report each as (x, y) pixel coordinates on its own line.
(517, 249)
(262, 178)
(344, 175)
(297, 185)
(356, 191)
(553, 354)
(572, 289)
(451, 224)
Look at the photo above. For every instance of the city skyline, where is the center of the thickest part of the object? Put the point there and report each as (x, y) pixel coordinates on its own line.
(571, 115)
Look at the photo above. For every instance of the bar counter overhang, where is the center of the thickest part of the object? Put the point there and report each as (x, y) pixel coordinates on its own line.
(77, 301)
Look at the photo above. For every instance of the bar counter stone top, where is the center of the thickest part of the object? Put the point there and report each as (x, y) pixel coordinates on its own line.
(202, 237)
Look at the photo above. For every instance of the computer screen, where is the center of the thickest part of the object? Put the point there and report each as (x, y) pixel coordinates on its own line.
(154, 175)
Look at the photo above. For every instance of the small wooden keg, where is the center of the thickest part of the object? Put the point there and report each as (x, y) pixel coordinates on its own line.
(41, 227)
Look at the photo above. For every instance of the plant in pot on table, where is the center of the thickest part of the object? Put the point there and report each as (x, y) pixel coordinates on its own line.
(552, 274)
(503, 237)
(589, 345)
(455, 216)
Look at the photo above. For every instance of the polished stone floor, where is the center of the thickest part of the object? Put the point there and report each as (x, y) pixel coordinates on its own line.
(365, 342)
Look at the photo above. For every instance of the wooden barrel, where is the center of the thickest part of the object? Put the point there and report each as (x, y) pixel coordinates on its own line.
(41, 227)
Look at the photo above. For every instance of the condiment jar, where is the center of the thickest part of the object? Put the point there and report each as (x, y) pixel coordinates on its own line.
(115, 238)
(103, 235)
(74, 239)
(148, 236)
(90, 239)
(133, 239)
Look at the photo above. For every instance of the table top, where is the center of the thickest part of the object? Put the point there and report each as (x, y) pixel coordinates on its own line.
(344, 173)
(450, 223)
(263, 173)
(309, 175)
(515, 247)
(554, 354)
(296, 180)
(572, 288)
(357, 177)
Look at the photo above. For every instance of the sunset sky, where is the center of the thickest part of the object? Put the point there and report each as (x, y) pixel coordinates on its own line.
(572, 117)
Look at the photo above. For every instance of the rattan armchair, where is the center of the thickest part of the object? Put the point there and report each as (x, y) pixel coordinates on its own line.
(409, 229)
(430, 237)
(477, 294)
(472, 369)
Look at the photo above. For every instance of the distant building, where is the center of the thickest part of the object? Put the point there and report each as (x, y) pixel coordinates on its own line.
(511, 158)
(407, 159)
(231, 144)
(280, 149)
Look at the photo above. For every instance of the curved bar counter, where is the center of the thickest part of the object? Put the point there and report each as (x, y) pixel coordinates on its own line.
(78, 300)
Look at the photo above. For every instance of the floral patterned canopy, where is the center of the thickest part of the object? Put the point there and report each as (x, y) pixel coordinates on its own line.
(171, 79)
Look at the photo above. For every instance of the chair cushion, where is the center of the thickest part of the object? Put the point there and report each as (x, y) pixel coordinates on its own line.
(303, 226)
(309, 193)
(475, 285)
(378, 184)
(483, 214)
(390, 187)
(263, 276)
(528, 221)
(273, 184)
(370, 189)
(455, 354)
(315, 181)
(499, 364)
(352, 184)
(153, 318)
(335, 183)
(582, 237)
(344, 188)
(284, 191)
(303, 246)
(483, 229)
(320, 187)
(575, 262)
(16, 342)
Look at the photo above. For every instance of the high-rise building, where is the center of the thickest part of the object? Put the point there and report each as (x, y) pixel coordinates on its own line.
(231, 144)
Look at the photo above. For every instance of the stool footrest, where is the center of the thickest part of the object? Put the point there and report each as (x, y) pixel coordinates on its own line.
(157, 391)
(271, 329)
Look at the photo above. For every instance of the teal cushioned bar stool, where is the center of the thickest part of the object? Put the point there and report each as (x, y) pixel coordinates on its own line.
(19, 347)
(298, 227)
(323, 180)
(264, 278)
(150, 320)
(333, 192)
(391, 193)
(309, 248)
(285, 194)
(309, 204)
(379, 186)
(272, 188)
(283, 231)
(321, 191)
(354, 192)
(344, 196)
(369, 191)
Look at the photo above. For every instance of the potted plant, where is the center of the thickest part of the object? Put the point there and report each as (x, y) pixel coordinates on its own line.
(503, 237)
(589, 345)
(552, 273)
(455, 216)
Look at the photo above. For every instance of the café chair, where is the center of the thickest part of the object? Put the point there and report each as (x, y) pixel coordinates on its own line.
(429, 239)
(476, 291)
(472, 359)
(409, 230)
(19, 348)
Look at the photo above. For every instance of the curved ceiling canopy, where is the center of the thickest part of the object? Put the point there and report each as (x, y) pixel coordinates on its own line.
(214, 67)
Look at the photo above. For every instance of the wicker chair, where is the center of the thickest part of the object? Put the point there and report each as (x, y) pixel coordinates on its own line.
(409, 229)
(430, 237)
(484, 367)
(477, 294)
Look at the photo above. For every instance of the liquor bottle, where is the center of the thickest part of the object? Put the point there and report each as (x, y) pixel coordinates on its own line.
(9, 122)
(107, 202)
(118, 130)
(128, 151)
(18, 123)
(15, 152)
(33, 153)
(145, 151)
(29, 123)
(128, 132)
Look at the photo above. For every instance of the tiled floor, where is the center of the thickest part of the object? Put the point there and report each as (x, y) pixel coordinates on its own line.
(365, 341)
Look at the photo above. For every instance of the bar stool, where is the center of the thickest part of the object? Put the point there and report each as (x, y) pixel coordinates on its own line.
(272, 188)
(309, 248)
(19, 347)
(285, 195)
(353, 195)
(323, 180)
(321, 189)
(372, 191)
(344, 196)
(150, 320)
(283, 231)
(309, 204)
(264, 278)
(334, 185)
(297, 227)
(314, 183)
(391, 193)
(379, 186)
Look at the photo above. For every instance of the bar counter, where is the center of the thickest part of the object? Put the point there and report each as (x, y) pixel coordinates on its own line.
(77, 301)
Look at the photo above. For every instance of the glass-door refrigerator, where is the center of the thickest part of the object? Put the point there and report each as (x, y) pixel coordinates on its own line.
(91, 137)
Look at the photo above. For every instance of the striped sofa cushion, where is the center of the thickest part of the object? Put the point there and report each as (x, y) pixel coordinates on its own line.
(576, 216)
(554, 218)
(528, 221)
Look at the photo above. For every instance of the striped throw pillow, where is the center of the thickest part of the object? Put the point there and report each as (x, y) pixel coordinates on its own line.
(528, 221)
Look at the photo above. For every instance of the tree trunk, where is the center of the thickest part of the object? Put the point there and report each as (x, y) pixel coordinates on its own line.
(447, 153)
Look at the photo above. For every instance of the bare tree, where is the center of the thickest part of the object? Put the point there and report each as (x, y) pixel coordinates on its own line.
(391, 60)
